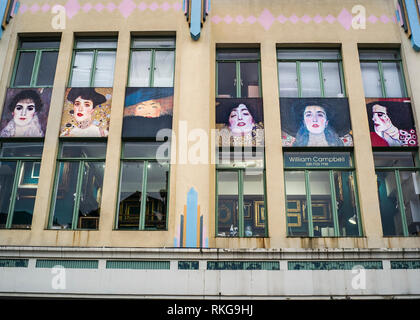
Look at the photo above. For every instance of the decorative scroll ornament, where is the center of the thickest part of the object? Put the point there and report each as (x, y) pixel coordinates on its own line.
(196, 12)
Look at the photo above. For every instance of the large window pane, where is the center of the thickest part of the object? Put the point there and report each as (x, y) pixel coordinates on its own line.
(7, 175)
(21, 149)
(47, 67)
(410, 185)
(288, 81)
(140, 69)
(254, 208)
(393, 159)
(82, 68)
(156, 195)
(228, 198)
(310, 79)
(164, 69)
(296, 203)
(226, 80)
(371, 79)
(345, 192)
(83, 150)
(26, 44)
(104, 73)
(130, 195)
(249, 80)
(24, 69)
(332, 79)
(308, 54)
(146, 150)
(233, 54)
(87, 44)
(393, 79)
(154, 43)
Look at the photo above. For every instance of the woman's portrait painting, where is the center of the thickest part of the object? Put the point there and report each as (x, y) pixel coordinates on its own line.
(391, 123)
(25, 113)
(146, 111)
(86, 113)
(318, 122)
(240, 122)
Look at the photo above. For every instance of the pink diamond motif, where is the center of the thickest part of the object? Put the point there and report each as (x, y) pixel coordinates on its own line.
(23, 8)
(72, 7)
(373, 19)
(345, 18)
(45, 7)
(282, 19)
(87, 7)
(142, 6)
(266, 19)
(384, 18)
(154, 6)
(294, 19)
(111, 7)
(99, 7)
(330, 19)
(35, 8)
(251, 19)
(126, 7)
(318, 19)
(165, 6)
(240, 19)
(228, 19)
(177, 6)
(306, 19)
(216, 19)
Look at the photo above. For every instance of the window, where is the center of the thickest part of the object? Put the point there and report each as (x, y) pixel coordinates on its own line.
(152, 62)
(240, 203)
(35, 63)
(144, 185)
(398, 190)
(382, 73)
(310, 73)
(78, 186)
(93, 63)
(19, 173)
(238, 73)
(321, 195)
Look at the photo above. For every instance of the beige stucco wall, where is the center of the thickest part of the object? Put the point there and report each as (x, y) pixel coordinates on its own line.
(230, 22)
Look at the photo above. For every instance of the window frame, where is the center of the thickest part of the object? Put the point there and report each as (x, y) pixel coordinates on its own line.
(320, 62)
(330, 170)
(145, 161)
(95, 51)
(36, 65)
(152, 66)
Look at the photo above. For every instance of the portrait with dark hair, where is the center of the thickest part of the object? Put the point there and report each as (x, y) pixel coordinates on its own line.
(315, 122)
(391, 122)
(25, 113)
(86, 112)
(240, 122)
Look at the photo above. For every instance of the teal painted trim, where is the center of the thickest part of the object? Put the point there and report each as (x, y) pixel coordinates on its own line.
(69, 264)
(381, 76)
(143, 197)
(356, 199)
(241, 231)
(188, 265)
(309, 204)
(13, 195)
(299, 79)
(333, 265)
(401, 204)
(14, 263)
(238, 80)
(78, 195)
(405, 264)
(243, 265)
(138, 265)
(334, 204)
(321, 78)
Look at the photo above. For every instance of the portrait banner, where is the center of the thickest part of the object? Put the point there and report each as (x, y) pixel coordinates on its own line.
(86, 112)
(25, 113)
(391, 122)
(240, 122)
(147, 111)
(315, 122)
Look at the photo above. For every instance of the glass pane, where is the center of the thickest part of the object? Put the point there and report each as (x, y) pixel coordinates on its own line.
(322, 215)
(82, 67)
(288, 81)
(371, 79)
(26, 193)
(26, 44)
(130, 195)
(163, 75)
(104, 71)
(86, 44)
(236, 54)
(65, 195)
(309, 74)
(410, 184)
(379, 54)
(226, 80)
(24, 69)
(156, 196)
(146, 150)
(140, 69)
(254, 208)
(388, 201)
(227, 197)
(250, 80)
(47, 66)
(297, 221)
(393, 79)
(247, 157)
(345, 193)
(83, 150)
(154, 43)
(332, 80)
(308, 54)
(21, 149)
(393, 159)
(90, 195)
(7, 175)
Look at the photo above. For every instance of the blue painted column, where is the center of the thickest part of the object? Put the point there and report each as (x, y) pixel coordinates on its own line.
(413, 17)
(195, 27)
(191, 219)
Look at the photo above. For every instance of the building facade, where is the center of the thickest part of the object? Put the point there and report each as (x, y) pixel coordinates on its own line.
(197, 149)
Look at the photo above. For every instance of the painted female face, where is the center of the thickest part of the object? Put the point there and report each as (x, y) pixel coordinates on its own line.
(380, 118)
(241, 120)
(24, 112)
(315, 119)
(83, 109)
(148, 109)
